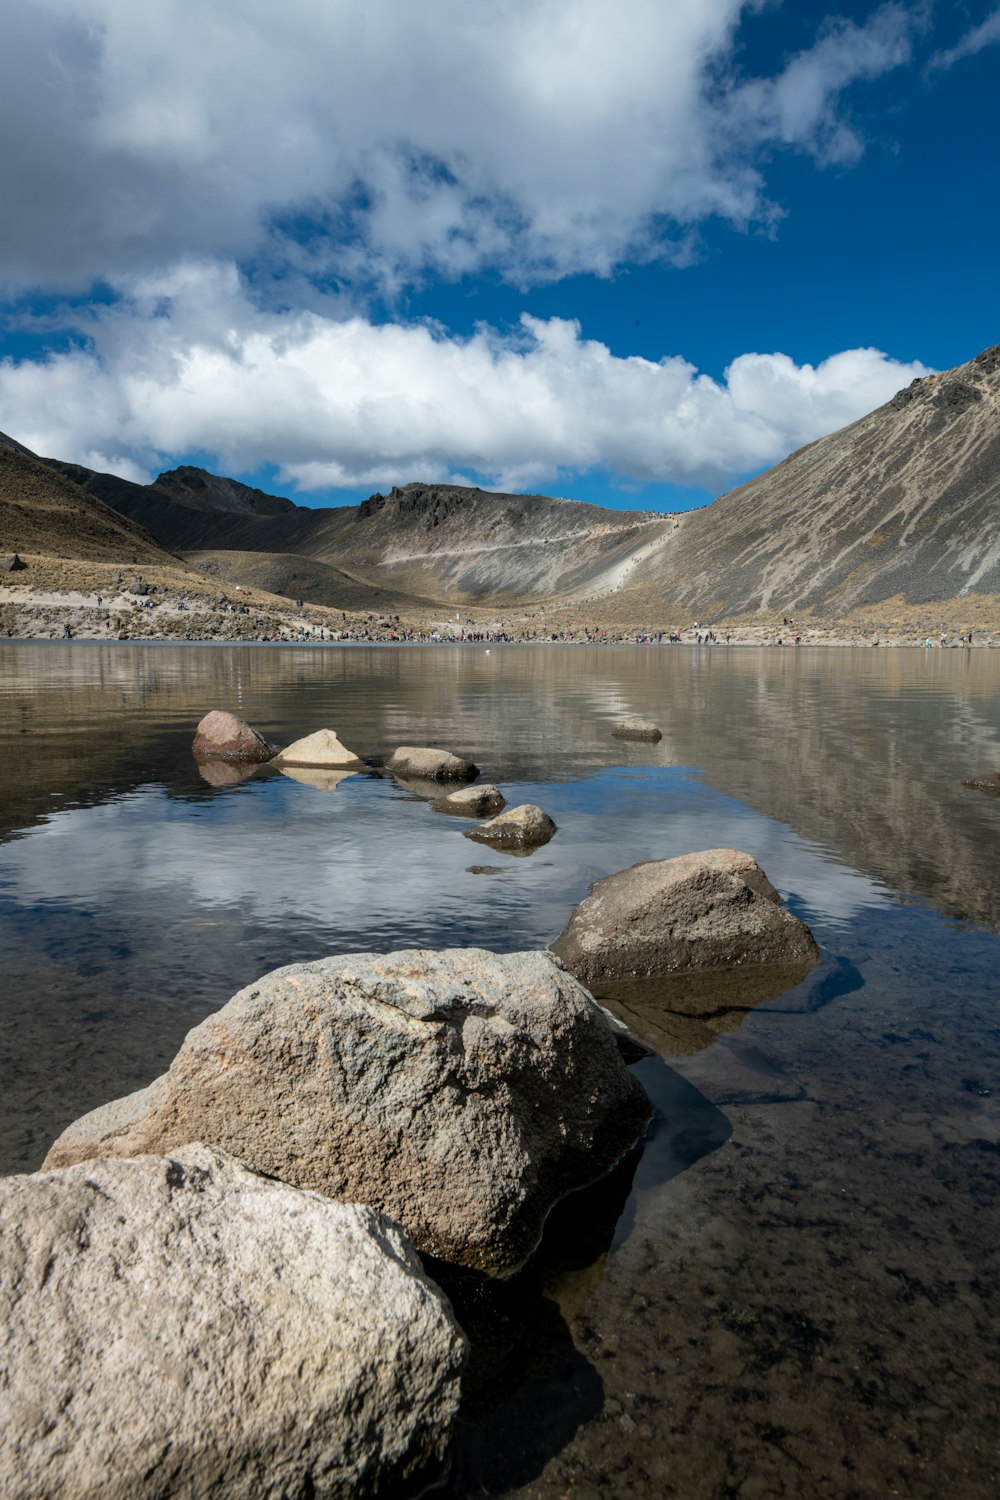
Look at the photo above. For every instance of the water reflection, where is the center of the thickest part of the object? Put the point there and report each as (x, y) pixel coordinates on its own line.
(809, 1309)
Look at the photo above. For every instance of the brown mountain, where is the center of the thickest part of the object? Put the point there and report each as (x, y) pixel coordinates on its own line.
(43, 511)
(905, 501)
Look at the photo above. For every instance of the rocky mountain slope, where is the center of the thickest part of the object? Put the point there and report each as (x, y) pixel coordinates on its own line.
(904, 502)
(42, 511)
(420, 542)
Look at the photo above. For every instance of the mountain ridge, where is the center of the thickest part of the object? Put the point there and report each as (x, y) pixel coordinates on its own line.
(904, 502)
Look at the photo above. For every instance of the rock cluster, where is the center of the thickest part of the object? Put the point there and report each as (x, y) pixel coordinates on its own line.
(461, 1092)
(715, 909)
(181, 1326)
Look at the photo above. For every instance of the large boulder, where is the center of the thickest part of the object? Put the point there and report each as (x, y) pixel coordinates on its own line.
(472, 802)
(182, 1326)
(715, 909)
(460, 1092)
(321, 750)
(420, 763)
(637, 729)
(222, 736)
(519, 828)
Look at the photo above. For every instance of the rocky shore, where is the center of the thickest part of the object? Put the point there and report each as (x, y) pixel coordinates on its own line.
(59, 599)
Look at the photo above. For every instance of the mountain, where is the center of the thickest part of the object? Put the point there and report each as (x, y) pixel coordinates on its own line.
(419, 543)
(905, 501)
(43, 511)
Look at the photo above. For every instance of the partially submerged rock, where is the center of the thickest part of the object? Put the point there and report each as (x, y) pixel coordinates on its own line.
(460, 1092)
(715, 909)
(321, 750)
(421, 763)
(637, 729)
(222, 736)
(988, 782)
(519, 828)
(472, 802)
(182, 1326)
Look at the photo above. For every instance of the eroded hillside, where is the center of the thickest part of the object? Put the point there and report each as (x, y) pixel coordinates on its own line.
(905, 501)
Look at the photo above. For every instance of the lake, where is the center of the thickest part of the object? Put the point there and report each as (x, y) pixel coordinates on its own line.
(793, 1290)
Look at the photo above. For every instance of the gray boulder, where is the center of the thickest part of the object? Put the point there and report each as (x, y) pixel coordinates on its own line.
(519, 828)
(636, 729)
(222, 736)
(472, 802)
(460, 1092)
(419, 763)
(182, 1326)
(715, 909)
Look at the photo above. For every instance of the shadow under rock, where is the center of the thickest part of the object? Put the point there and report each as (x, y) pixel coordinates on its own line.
(528, 1385)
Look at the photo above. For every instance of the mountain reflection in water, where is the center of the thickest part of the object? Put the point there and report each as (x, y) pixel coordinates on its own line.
(800, 1295)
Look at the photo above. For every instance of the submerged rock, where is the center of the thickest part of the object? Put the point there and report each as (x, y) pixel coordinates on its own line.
(715, 909)
(182, 1326)
(988, 782)
(460, 1092)
(637, 729)
(419, 763)
(222, 736)
(472, 802)
(519, 828)
(321, 750)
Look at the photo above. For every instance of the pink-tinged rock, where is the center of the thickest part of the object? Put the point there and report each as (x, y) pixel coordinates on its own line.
(222, 736)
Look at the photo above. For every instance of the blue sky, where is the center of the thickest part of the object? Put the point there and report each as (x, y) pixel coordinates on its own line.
(629, 252)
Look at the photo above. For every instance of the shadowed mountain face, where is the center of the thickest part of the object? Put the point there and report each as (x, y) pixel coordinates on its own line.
(42, 511)
(905, 501)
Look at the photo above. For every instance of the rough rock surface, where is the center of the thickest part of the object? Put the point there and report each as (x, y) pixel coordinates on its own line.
(222, 736)
(637, 729)
(181, 1326)
(472, 802)
(715, 909)
(460, 1092)
(421, 763)
(988, 782)
(523, 827)
(321, 749)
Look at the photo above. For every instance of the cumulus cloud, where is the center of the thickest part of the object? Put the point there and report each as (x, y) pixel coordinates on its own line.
(381, 141)
(189, 363)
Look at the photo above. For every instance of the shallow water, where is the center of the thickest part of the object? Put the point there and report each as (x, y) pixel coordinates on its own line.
(795, 1293)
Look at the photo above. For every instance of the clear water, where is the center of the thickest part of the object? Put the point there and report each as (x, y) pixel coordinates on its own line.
(793, 1292)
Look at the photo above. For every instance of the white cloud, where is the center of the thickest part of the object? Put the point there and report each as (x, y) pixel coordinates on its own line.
(981, 36)
(189, 362)
(540, 137)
